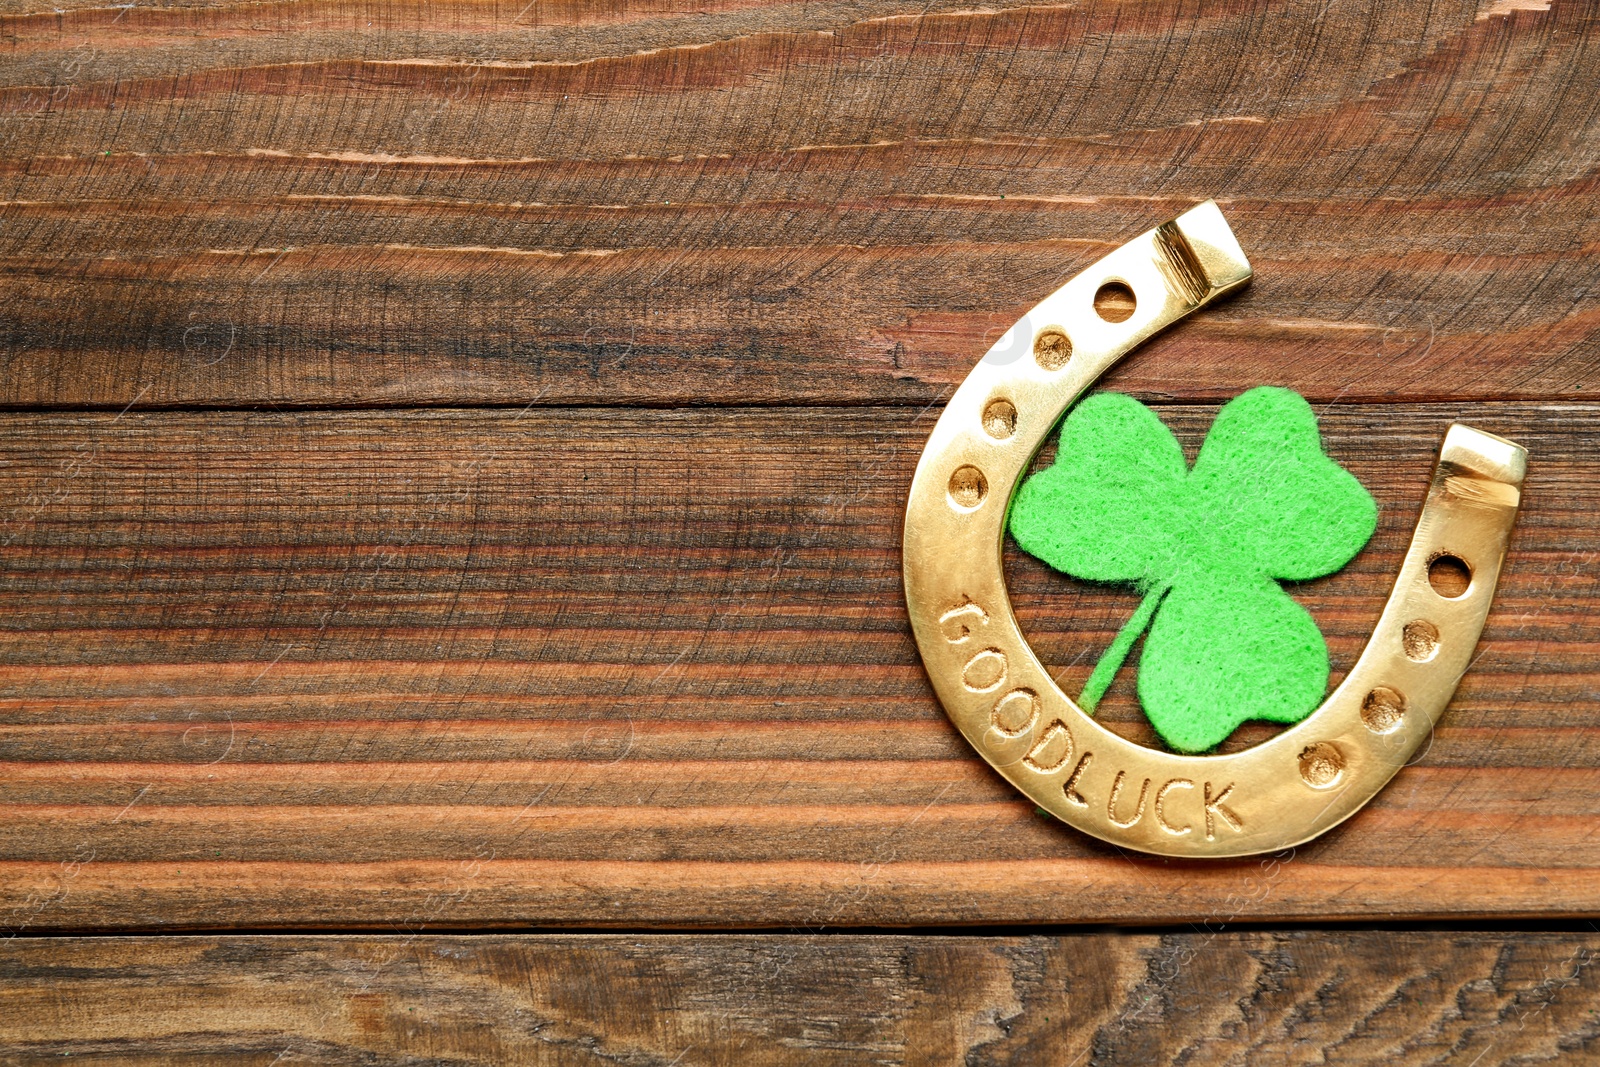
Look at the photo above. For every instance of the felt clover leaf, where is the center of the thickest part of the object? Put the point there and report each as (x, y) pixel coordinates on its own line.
(1207, 547)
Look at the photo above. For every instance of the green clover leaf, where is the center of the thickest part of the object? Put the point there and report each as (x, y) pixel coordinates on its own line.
(1207, 548)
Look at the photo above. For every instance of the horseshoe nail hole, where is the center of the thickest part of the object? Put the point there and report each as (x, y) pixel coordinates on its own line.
(1052, 348)
(1420, 639)
(1000, 419)
(1382, 710)
(1115, 302)
(1449, 575)
(1321, 765)
(968, 487)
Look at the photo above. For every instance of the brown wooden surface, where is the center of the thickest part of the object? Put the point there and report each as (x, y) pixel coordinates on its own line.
(744, 201)
(1195, 998)
(613, 635)
(605, 667)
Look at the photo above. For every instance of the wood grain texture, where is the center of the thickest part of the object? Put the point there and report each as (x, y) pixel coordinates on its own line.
(364, 203)
(1093, 1000)
(610, 667)
(562, 584)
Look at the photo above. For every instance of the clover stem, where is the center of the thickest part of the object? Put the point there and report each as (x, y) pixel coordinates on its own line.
(1111, 661)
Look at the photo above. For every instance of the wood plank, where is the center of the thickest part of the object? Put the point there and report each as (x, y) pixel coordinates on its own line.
(756, 202)
(1195, 997)
(631, 667)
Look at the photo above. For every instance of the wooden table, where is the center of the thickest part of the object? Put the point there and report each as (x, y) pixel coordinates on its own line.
(451, 465)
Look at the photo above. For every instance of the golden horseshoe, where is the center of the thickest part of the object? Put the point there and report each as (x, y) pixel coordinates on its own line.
(1282, 792)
